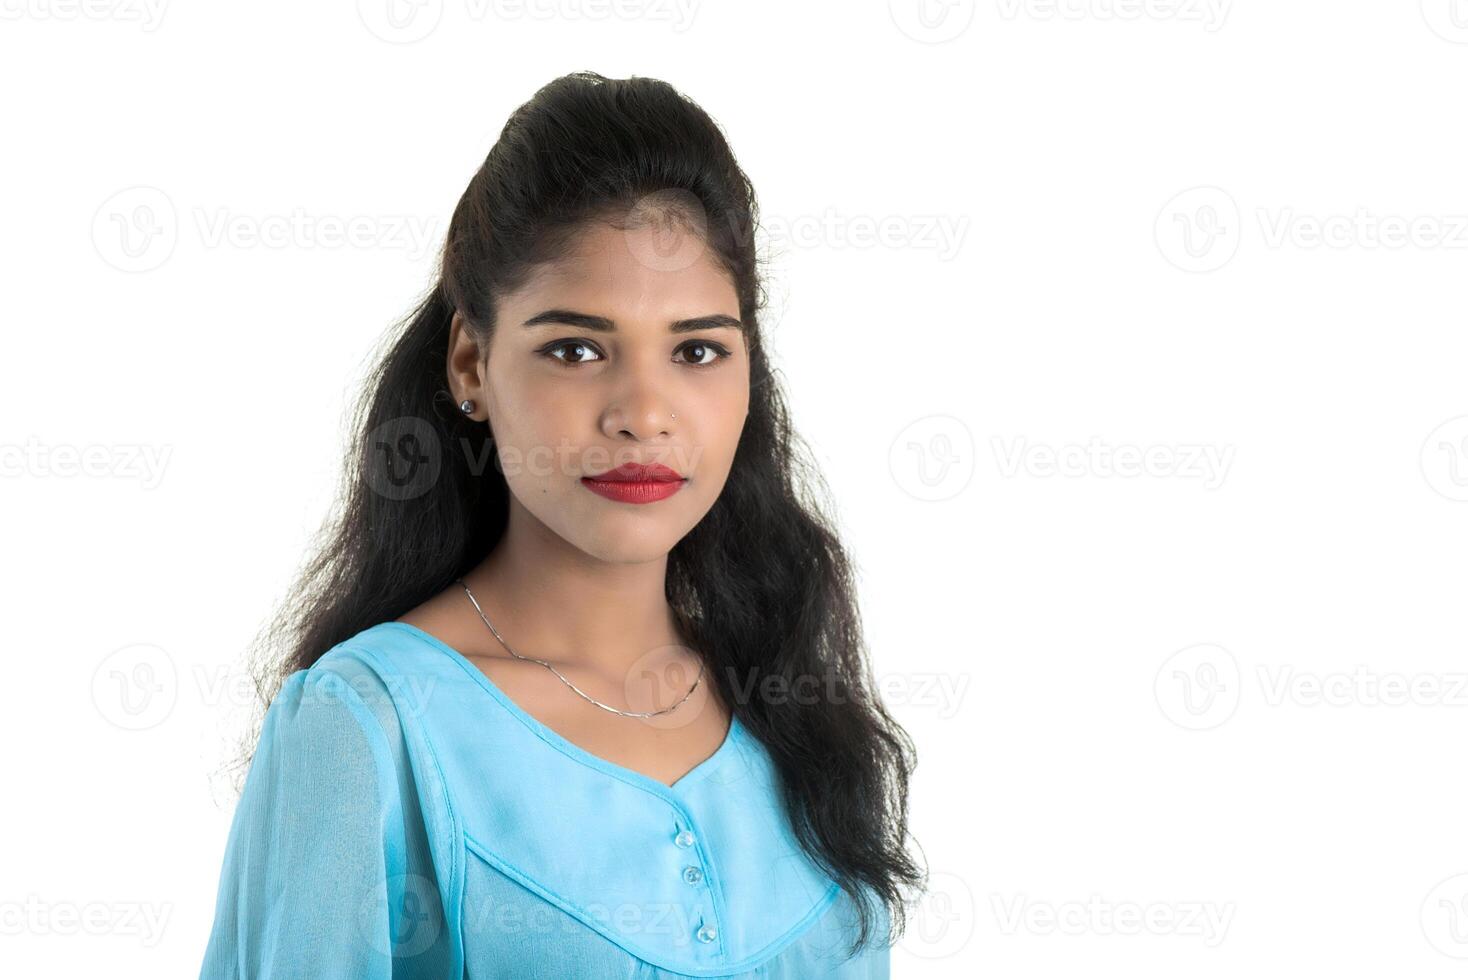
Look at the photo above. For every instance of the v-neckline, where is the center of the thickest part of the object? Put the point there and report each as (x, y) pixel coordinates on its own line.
(565, 745)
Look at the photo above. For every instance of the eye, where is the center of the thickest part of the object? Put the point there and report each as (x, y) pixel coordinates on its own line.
(705, 347)
(581, 348)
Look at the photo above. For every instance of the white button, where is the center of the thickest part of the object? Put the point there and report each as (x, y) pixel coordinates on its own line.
(692, 875)
(684, 839)
(707, 934)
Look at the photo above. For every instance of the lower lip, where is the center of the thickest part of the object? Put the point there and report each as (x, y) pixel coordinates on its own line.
(626, 492)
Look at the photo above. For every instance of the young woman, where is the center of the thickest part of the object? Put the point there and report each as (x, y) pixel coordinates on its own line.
(576, 685)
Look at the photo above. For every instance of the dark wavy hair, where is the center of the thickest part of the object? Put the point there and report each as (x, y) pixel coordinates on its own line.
(762, 583)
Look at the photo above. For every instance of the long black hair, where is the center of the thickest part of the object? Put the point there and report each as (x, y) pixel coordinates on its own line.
(761, 583)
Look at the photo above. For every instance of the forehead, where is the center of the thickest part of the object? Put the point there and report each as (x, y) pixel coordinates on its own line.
(643, 272)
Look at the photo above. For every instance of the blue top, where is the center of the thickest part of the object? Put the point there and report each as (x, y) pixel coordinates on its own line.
(402, 817)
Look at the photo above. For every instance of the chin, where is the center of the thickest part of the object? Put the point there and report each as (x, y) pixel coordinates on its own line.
(618, 542)
(624, 534)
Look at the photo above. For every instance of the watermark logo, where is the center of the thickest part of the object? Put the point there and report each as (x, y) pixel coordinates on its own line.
(1444, 458)
(933, 458)
(932, 21)
(404, 457)
(135, 687)
(402, 916)
(136, 229)
(1447, 18)
(1445, 917)
(666, 230)
(1198, 230)
(662, 676)
(944, 920)
(1198, 686)
(400, 21)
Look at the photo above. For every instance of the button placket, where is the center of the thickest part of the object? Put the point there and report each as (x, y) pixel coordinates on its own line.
(692, 874)
(706, 932)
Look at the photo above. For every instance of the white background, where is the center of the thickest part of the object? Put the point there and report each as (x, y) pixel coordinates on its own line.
(1205, 719)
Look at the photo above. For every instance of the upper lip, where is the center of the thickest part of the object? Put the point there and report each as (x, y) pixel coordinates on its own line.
(638, 473)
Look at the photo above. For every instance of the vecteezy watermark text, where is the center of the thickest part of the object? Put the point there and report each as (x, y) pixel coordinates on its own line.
(1097, 916)
(1204, 462)
(1210, 13)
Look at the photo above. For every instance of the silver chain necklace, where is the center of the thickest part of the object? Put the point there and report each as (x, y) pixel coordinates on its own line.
(607, 707)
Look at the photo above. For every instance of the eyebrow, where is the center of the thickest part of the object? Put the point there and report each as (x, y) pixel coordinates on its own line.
(586, 321)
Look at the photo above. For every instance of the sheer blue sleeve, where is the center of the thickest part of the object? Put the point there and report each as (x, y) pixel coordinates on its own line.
(314, 864)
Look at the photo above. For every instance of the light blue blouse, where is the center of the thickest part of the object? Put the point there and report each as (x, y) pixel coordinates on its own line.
(402, 817)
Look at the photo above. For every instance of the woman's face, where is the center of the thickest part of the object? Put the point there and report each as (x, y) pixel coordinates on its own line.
(585, 372)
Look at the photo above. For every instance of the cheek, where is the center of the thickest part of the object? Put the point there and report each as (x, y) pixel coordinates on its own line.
(545, 419)
(534, 435)
(721, 422)
(731, 407)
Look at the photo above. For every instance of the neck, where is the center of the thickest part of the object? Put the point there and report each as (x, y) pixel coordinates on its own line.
(554, 602)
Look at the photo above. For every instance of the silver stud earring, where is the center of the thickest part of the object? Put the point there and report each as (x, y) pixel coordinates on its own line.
(674, 415)
(466, 406)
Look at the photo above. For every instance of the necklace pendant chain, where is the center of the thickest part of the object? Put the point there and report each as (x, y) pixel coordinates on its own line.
(564, 680)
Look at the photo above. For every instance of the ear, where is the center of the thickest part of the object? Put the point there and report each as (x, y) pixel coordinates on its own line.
(466, 367)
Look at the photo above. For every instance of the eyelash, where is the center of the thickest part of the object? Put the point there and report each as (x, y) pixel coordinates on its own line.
(548, 349)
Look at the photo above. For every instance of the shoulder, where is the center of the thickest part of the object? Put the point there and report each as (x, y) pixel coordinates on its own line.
(319, 723)
(388, 662)
(390, 679)
(351, 698)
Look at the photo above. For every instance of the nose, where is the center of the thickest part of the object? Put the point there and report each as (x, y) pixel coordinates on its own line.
(639, 407)
(643, 420)
(640, 410)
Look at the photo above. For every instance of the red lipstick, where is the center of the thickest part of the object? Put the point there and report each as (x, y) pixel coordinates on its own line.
(636, 483)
